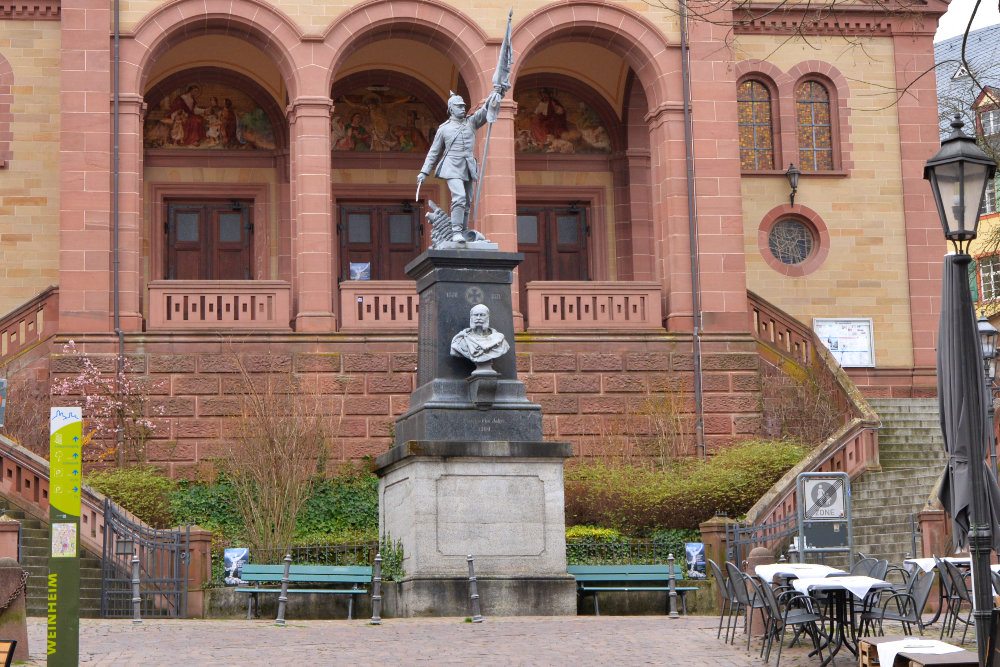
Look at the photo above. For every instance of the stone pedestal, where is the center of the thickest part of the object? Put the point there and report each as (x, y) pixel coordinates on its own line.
(468, 473)
(501, 502)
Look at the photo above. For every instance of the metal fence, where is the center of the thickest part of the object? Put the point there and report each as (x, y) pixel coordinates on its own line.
(163, 567)
(622, 552)
(318, 554)
(776, 536)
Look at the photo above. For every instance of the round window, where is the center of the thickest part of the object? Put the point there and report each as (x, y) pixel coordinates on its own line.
(790, 241)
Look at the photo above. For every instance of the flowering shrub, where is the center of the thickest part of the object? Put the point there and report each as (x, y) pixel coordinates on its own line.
(116, 410)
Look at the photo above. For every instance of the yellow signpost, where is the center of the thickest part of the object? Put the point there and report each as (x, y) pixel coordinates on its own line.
(63, 626)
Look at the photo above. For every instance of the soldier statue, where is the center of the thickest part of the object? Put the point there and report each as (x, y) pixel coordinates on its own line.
(453, 151)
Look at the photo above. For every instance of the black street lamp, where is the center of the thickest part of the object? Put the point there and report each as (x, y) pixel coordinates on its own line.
(988, 335)
(792, 175)
(958, 174)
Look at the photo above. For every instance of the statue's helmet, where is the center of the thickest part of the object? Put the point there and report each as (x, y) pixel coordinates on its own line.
(454, 98)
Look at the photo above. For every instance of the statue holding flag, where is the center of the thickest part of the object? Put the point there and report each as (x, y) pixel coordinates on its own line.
(452, 153)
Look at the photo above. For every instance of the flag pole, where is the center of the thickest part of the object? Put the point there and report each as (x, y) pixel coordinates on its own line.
(501, 83)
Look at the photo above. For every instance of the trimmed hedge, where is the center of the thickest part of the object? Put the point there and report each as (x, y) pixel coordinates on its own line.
(143, 491)
(637, 501)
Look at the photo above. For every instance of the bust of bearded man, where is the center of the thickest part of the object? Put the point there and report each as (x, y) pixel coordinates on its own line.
(479, 343)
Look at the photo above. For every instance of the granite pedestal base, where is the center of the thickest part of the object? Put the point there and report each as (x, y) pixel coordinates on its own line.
(500, 502)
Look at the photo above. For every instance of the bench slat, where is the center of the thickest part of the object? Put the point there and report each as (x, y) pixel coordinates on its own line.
(623, 577)
(316, 578)
(351, 591)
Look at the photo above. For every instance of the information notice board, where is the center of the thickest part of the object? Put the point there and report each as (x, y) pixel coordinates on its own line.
(850, 341)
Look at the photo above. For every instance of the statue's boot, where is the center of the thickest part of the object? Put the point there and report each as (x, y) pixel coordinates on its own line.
(458, 224)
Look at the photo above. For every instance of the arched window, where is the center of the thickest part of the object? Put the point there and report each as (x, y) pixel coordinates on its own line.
(812, 114)
(756, 131)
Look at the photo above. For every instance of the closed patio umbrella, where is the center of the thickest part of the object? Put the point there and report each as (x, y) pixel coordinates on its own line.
(962, 399)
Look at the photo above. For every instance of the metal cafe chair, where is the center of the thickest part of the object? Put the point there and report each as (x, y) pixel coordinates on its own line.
(728, 598)
(905, 608)
(790, 608)
(960, 593)
(746, 599)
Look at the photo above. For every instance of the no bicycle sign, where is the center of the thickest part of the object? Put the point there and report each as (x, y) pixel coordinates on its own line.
(824, 498)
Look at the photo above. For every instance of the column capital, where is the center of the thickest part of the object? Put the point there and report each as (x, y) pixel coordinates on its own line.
(664, 113)
(315, 107)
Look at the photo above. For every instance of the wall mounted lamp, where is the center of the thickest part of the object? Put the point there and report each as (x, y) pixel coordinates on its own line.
(793, 180)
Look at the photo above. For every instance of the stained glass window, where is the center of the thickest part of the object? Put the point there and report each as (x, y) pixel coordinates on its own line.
(756, 137)
(790, 241)
(812, 113)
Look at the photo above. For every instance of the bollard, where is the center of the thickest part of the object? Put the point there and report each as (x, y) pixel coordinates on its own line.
(283, 596)
(377, 591)
(13, 625)
(757, 556)
(477, 617)
(136, 598)
(672, 581)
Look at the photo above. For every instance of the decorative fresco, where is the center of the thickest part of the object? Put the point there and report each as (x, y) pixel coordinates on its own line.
(208, 116)
(554, 121)
(381, 119)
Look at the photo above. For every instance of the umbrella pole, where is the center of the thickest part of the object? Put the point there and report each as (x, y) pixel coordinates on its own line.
(980, 532)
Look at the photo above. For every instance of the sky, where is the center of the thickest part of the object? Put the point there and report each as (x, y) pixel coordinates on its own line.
(953, 23)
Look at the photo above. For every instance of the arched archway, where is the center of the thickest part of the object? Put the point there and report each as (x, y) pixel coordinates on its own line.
(449, 31)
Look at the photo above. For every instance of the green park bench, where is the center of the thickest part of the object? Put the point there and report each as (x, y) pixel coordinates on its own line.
(336, 578)
(594, 579)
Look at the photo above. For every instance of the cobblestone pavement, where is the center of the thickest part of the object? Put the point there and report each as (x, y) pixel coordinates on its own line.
(582, 640)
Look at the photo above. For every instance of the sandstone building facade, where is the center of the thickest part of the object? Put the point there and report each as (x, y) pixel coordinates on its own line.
(198, 177)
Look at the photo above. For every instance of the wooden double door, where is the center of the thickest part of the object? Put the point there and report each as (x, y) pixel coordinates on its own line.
(209, 240)
(377, 240)
(554, 242)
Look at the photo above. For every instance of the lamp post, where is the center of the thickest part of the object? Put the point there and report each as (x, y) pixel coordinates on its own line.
(988, 335)
(958, 174)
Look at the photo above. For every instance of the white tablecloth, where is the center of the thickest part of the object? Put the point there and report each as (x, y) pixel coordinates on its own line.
(769, 572)
(887, 650)
(927, 564)
(859, 586)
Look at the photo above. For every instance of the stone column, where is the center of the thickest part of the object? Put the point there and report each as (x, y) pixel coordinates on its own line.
(199, 570)
(85, 168)
(313, 257)
(131, 112)
(498, 200)
(10, 532)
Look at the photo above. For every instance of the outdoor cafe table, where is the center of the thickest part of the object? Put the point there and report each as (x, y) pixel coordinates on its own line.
(794, 570)
(927, 564)
(838, 588)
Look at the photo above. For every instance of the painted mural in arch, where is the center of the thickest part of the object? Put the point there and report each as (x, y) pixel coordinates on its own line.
(208, 115)
(381, 119)
(549, 120)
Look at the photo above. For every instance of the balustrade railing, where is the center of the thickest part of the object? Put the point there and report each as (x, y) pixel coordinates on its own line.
(851, 448)
(257, 305)
(589, 305)
(28, 324)
(374, 305)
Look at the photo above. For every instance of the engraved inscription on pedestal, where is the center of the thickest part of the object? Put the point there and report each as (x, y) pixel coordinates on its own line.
(501, 515)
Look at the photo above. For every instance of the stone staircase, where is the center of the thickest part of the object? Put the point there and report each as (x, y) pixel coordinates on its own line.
(911, 452)
(35, 548)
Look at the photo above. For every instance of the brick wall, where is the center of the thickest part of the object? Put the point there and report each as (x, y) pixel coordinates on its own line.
(29, 143)
(593, 391)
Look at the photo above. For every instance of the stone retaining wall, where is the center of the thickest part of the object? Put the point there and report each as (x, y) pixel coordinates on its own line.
(595, 391)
